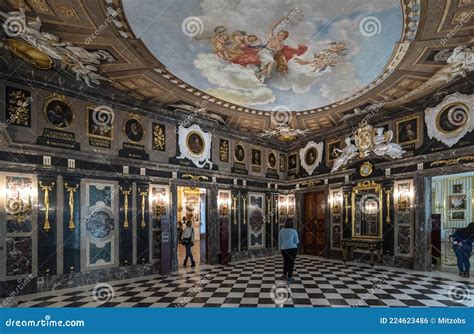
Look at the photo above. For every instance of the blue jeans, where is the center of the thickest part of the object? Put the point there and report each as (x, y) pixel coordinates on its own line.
(189, 254)
(463, 253)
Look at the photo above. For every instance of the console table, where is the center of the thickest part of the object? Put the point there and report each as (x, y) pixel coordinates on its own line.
(373, 245)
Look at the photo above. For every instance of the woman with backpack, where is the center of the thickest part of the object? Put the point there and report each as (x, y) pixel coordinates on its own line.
(188, 242)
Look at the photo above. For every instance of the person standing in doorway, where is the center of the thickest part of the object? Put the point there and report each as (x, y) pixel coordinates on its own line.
(462, 246)
(288, 245)
(180, 230)
(188, 242)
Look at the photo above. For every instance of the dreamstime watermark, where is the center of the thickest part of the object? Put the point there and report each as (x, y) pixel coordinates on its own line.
(287, 18)
(110, 17)
(195, 290)
(14, 26)
(280, 293)
(464, 18)
(370, 26)
(46, 322)
(196, 111)
(377, 285)
(459, 292)
(280, 116)
(22, 285)
(192, 26)
(103, 293)
(372, 110)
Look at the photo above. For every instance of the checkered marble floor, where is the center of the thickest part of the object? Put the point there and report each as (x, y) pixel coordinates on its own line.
(255, 283)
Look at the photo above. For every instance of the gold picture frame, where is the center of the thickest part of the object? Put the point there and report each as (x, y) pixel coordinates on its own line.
(256, 157)
(50, 111)
(290, 165)
(136, 118)
(193, 149)
(239, 147)
(271, 164)
(403, 123)
(378, 192)
(329, 150)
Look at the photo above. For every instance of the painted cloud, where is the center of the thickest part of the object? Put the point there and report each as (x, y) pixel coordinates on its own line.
(230, 56)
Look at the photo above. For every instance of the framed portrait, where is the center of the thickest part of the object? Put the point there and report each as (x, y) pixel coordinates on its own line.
(282, 163)
(239, 153)
(133, 129)
(311, 156)
(407, 130)
(458, 215)
(331, 155)
(224, 150)
(292, 162)
(195, 143)
(272, 160)
(256, 157)
(457, 189)
(100, 122)
(57, 111)
(457, 202)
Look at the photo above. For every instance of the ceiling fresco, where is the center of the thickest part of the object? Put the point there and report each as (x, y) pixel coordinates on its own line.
(265, 54)
(279, 69)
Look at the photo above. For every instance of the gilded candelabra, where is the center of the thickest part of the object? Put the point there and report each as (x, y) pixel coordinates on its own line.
(244, 199)
(71, 190)
(143, 194)
(46, 190)
(125, 194)
(346, 206)
(234, 205)
(388, 192)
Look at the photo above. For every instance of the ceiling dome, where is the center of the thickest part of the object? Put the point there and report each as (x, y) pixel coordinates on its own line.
(267, 54)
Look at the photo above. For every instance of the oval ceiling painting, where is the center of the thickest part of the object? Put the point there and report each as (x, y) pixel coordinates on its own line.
(265, 54)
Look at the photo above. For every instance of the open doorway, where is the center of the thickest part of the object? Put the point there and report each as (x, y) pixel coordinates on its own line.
(192, 207)
(452, 208)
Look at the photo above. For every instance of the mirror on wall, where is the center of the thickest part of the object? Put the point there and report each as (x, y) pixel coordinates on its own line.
(367, 210)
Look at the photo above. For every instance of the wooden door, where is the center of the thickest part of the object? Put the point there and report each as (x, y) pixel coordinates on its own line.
(314, 240)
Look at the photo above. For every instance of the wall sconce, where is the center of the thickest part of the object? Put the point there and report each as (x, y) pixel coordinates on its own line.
(19, 203)
(283, 205)
(159, 202)
(335, 202)
(403, 197)
(224, 204)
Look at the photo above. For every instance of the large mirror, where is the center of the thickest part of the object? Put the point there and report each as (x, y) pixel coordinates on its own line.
(367, 210)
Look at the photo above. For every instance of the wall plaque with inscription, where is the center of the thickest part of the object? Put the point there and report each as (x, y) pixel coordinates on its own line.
(58, 138)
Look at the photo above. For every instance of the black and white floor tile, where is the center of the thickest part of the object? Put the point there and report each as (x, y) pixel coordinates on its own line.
(318, 282)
